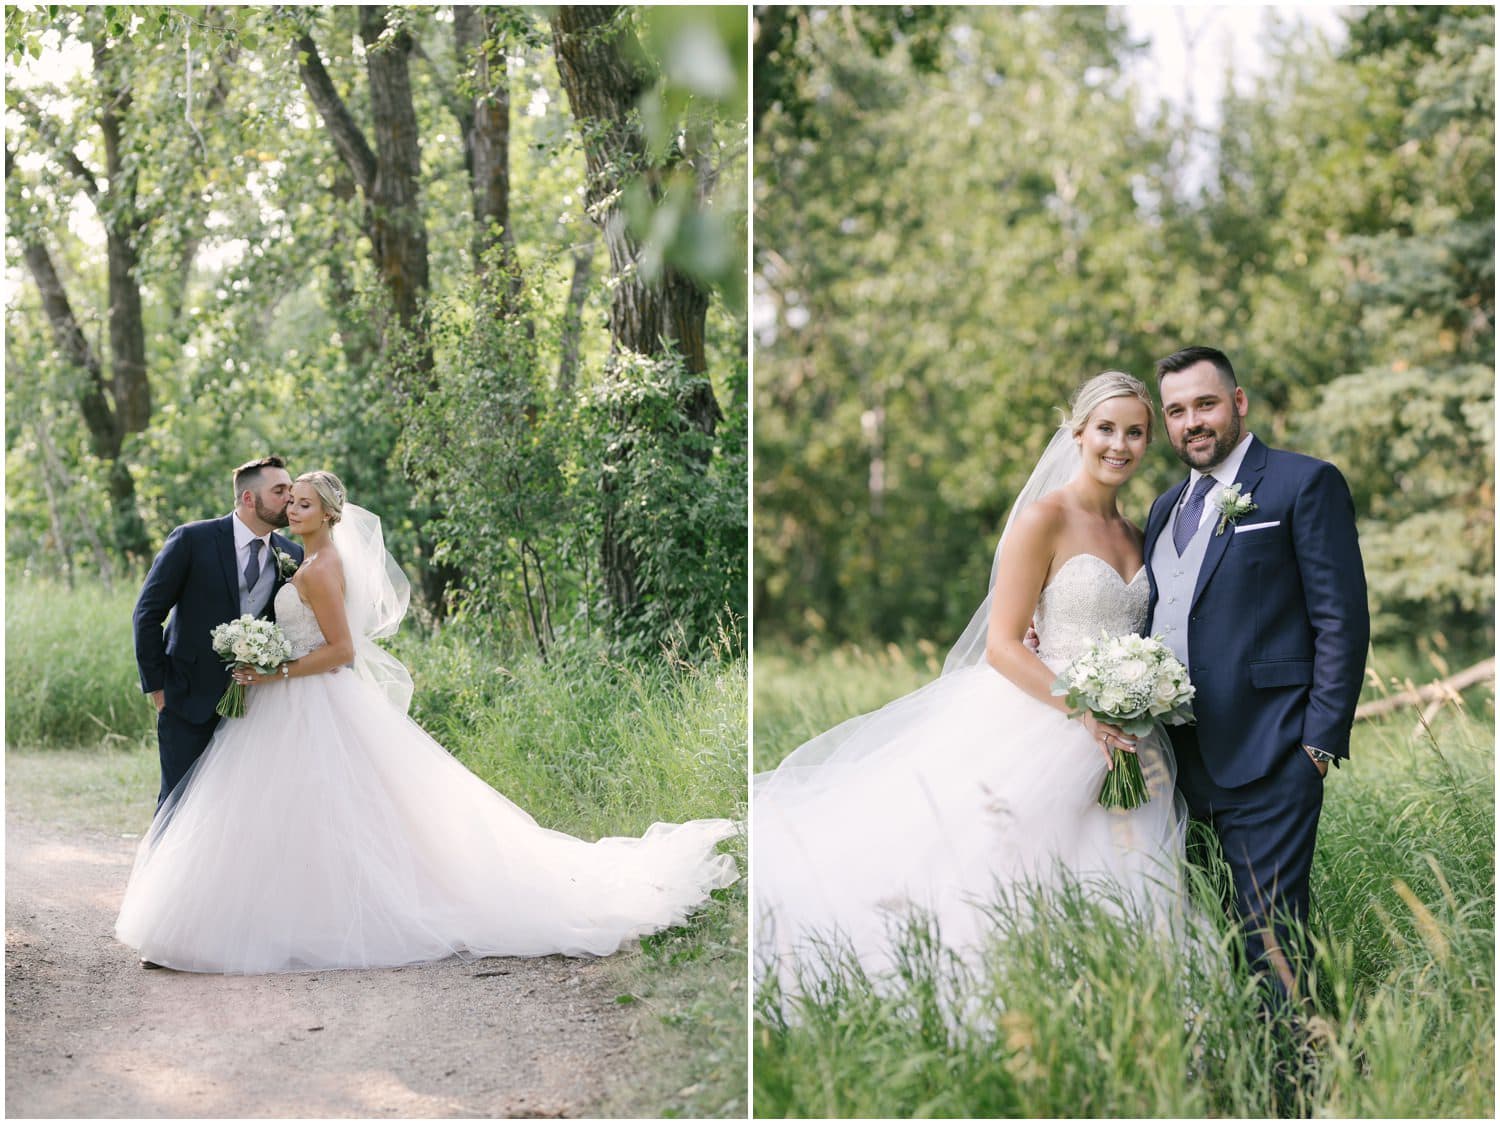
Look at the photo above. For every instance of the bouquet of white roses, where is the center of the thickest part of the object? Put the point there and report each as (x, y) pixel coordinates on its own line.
(249, 640)
(1132, 682)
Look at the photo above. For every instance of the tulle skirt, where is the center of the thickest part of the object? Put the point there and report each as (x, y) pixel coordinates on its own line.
(325, 829)
(963, 794)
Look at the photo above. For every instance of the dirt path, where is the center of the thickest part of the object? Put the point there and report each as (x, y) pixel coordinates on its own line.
(89, 1033)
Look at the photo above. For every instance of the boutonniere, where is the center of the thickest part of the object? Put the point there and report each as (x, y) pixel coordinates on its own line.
(1231, 506)
(285, 563)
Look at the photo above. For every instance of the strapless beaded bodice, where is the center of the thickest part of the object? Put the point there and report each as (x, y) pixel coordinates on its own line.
(297, 621)
(1086, 596)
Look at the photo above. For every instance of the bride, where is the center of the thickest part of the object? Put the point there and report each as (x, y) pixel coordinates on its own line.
(980, 783)
(325, 829)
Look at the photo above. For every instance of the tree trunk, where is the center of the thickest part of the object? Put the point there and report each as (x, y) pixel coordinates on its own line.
(102, 420)
(604, 72)
(103, 424)
(389, 174)
(122, 225)
(398, 230)
(486, 124)
(389, 179)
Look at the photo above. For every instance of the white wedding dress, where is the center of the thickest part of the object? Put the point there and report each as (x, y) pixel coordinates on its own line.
(325, 829)
(948, 798)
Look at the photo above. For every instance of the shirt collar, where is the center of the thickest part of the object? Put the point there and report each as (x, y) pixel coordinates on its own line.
(243, 534)
(1227, 469)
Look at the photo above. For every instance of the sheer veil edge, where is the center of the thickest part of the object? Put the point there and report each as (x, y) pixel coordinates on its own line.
(859, 737)
(376, 597)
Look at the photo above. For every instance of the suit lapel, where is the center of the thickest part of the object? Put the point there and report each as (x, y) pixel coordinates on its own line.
(226, 560)
(277, 547)
(1251, 470)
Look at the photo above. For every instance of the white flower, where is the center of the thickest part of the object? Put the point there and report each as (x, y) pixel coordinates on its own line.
(1232, 505)
(1127, 679)
(251, 641)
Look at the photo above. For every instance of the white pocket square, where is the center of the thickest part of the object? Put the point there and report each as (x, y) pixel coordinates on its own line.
(1239, 530)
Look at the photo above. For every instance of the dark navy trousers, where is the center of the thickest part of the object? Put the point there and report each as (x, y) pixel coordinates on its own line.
(180, 743)
(1268, 829)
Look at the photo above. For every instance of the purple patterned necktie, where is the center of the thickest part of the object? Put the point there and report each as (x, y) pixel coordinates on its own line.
(1190, 515)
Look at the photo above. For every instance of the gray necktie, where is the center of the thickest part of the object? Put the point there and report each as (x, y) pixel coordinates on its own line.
(252, 567)
(1190, 515)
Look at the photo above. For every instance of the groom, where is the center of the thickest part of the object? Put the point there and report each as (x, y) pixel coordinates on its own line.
(207, 573)
(1264, 602)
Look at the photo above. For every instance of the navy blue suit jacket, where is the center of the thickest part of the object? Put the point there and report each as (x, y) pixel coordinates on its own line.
(1279, 625)
(195, 579)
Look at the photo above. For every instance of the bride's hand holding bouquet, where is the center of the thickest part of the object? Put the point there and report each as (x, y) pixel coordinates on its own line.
(1126, 685)
(248, 642)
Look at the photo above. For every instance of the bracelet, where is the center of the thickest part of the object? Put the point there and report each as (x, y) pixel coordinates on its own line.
(286, 670)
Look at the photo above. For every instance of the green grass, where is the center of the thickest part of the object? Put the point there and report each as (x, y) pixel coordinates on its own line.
(1090, 1020)
(587, 744)
(70, 675)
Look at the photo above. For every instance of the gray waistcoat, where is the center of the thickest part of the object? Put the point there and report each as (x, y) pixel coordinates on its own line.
(253, 601)
(1176, 577)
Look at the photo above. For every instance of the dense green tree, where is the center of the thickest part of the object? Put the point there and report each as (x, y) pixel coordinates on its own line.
(658, 405)
(948, 249)
(360, 239)
(954, 230)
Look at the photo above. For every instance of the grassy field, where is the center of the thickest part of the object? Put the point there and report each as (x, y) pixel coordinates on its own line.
(1089, 1021)
(587, 744)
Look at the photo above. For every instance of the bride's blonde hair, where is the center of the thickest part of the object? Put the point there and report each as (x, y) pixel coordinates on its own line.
(1101, 388)
(330, 491)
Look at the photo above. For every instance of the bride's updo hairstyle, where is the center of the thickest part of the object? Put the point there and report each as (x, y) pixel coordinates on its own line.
(1101, 388)
(330, 491)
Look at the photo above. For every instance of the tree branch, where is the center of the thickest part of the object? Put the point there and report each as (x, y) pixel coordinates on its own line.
(67, 335)
(47, 128)
(346, 134)
(1433, 692)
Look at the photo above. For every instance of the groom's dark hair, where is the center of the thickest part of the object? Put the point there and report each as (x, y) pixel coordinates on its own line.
(248, 474)
(1182, 360)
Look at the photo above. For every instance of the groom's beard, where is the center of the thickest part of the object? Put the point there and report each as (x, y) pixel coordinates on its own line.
(270, 515)
(1224, 444)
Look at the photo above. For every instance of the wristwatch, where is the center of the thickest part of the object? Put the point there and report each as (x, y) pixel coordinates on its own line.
(1319, 755)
